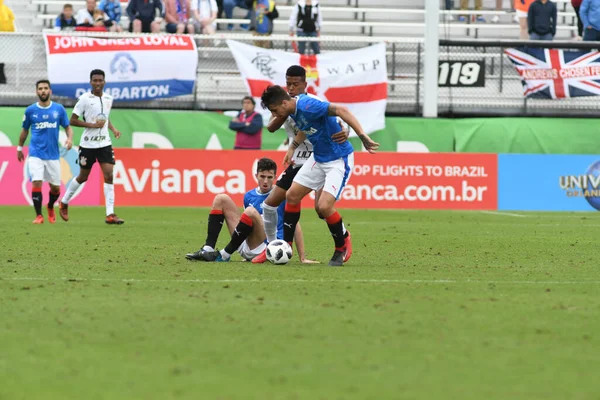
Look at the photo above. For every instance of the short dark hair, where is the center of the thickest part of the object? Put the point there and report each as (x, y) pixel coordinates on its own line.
(42, 81)
(273, 96)
(296, 70)
(67, 5)
(249, 98)
(97, 72)
(266, 164)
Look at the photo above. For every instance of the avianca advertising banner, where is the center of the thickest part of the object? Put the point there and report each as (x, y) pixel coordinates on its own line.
(356, 78)
(152, 177)
(137, 68)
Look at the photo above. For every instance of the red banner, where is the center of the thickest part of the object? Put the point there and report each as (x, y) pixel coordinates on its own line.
(153, 177)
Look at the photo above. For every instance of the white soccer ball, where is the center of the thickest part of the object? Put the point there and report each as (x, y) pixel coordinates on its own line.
(279, 252)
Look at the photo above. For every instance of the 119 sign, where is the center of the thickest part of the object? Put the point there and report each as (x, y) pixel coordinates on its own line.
(461, 73)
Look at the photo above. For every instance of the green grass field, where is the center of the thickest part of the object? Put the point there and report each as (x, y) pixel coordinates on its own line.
(433, 305)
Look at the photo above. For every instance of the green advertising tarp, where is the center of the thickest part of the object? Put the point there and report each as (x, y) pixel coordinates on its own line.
(201, 130)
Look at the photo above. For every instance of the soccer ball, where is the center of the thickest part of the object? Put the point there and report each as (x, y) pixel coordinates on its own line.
(279, 252)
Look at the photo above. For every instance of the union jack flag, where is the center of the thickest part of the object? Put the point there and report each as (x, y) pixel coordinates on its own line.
(557, 74)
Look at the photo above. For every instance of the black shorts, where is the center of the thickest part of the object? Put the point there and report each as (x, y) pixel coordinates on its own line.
(286, 179)
(87, 157)
(146, 25)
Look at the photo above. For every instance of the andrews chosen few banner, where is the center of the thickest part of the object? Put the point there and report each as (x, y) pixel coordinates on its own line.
(555, 73)
(356, 78)
(137, 68)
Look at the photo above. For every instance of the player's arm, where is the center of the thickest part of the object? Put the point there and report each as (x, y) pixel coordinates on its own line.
(64, 122)
(22, 139)
(298, 140)
(114, 130)
(275, 123)
(299, 239)
(350, 119)
(75, 121)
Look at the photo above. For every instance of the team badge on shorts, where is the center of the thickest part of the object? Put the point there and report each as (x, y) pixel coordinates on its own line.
(82, 161)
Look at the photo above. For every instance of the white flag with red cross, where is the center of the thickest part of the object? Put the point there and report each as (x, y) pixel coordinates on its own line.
(356, 79)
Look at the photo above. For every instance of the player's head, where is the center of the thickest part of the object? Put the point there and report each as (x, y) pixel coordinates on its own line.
(68, 11)
(266, 170)
(91, 5)
(43, 90)
(97, 81)
(278, 101)
(295, 80)
(248, 104)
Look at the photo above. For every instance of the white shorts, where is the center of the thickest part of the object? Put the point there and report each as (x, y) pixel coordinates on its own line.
(248, 253)
(44, 170)
(521, 14)
(332, 176)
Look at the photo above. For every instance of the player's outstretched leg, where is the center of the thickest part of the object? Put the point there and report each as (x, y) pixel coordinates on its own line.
(223, 209)
(72, 188)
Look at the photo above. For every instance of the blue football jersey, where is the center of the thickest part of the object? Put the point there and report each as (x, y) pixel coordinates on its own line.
(255, 199)
(312, 117)
(45, 123)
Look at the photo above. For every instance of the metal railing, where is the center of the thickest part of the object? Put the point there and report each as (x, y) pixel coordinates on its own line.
(220, 87)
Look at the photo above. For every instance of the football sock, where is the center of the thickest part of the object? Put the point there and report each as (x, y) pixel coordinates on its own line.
(109, 198)
(71, 189)
(291, 216)
(36, 196)
(53, 197)
(225, 255)
(215, 223)
(271, 220)
(336, 227)
(240, 233)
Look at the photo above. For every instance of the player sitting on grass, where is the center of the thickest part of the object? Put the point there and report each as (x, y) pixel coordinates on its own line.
(330, 165)
(295, 78)
(246, 229)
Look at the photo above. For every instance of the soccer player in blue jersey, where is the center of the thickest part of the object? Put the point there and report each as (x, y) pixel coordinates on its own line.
(45, 118)
(330, 165)
(247, 230)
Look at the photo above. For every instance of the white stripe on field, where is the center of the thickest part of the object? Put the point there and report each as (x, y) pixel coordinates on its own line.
(425, 281)
(503, 213)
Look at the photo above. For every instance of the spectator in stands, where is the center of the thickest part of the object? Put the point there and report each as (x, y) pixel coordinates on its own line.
(496, 18)
(541, 20)
(178, 15)
(306, 20)
(590, 16)
(576, 5)
(263, 13)
(229, 5)
(449, 7)
(99, 20)
(112, 9)
(7, 24)
(205, 13)
(463, 6)
(522, 6)
(248, 126)
(85, 16)
(65, 20)
(142, 15)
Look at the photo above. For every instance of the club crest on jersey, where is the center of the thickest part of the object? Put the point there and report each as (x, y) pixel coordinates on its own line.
(123, 66)
(55, 114)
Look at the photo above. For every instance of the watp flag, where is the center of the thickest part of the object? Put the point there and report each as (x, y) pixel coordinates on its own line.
(356, 78)
(557, 74)
(136, 68)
